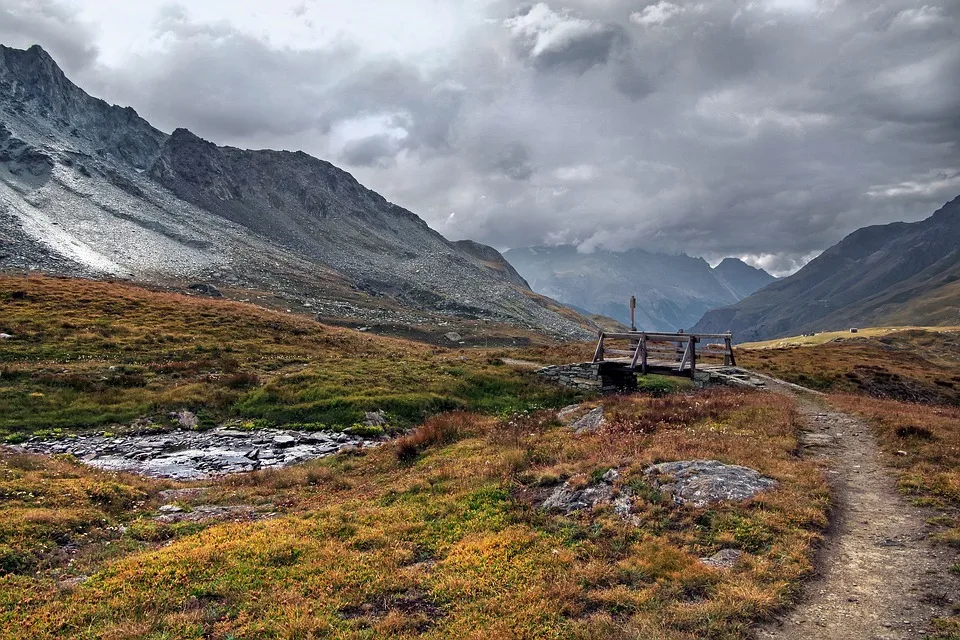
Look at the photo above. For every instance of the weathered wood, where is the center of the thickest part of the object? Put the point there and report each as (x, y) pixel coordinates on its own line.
(598, 354)
(675, 353)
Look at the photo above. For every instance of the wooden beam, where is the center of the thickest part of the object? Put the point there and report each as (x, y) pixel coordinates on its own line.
(598, 354)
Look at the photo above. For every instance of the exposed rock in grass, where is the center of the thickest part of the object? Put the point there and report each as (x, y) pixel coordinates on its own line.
(569, 498)
(375, 419)
(206, 289)
(723, 559)
(213, 513)
(701, 483)
(590, 422)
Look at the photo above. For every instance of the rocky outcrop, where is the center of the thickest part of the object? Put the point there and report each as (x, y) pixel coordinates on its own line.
(701, 483)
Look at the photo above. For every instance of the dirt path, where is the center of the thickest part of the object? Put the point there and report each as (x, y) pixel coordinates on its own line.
(879, 577)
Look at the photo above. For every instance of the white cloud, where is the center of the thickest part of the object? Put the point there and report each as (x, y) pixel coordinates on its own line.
(656, 15)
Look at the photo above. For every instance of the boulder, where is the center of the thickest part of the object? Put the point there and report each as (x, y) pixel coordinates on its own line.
(701, 483)
(375, 419)
(590, 422)
(282, 442)
(568, 499)
(453, 336)
(185, 419)
(205, 289)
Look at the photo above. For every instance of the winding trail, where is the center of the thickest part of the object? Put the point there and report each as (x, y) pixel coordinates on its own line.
(879, 577)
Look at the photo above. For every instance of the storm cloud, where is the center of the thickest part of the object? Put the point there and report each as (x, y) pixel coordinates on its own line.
(765, 129)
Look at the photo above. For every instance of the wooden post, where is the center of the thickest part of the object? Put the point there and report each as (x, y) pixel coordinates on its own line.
(598, 354)
(633, 313)
(686, 356)
(693, 357)
(643, 352)
(729, 359)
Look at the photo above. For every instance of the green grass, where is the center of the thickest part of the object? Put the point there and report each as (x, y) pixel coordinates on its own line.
(447, 543)
(93, 355)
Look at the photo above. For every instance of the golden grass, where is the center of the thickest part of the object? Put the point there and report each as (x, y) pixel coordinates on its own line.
(90, 354)
(913, 365)
(841, 336)
(450, 543)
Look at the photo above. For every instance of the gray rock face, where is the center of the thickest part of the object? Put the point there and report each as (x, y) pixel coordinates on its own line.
(192, 455)
(701, 483)
(592, 421)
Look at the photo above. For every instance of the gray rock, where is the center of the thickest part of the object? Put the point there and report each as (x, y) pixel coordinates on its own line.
(205, 289)
(723, 559)
(453, 336)
(170, 508)
(185, 419)
(591, 422)
(253, 454)
(284, 441)
(701, 483)
(568, 499)
(375, 419)
(566, 414)
(6, 336)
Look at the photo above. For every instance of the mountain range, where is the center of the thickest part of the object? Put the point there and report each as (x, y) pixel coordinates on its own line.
(884, 275)
(673, 291)
(91, 189)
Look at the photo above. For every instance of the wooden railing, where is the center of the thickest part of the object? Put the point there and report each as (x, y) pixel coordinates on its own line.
(646, 350)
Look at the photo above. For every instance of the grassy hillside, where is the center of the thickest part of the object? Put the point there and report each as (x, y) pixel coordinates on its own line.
(913, 365)
(90, 354)
(437, 534)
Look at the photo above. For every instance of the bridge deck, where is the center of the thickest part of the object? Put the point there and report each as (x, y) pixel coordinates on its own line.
(674, 354)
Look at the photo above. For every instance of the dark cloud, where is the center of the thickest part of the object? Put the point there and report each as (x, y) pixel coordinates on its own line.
(560, 40)
(370, 151)
(24, 23)
(765, 129)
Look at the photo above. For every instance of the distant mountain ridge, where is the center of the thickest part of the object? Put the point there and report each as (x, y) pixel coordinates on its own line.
(91, 189)
(894, 274)
(673, 291)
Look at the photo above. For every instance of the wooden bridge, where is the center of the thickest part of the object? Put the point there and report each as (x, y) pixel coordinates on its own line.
(674, 354)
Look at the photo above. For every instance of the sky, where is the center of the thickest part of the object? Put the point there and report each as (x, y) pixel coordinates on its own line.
(762, 129)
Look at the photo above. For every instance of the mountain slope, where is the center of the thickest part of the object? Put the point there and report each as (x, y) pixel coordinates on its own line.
(742, 279)
(92, 189)
(901, 273)
(672, 291)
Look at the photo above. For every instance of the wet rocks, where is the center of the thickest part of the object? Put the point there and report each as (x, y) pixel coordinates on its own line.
(701, 483)
(192, 455)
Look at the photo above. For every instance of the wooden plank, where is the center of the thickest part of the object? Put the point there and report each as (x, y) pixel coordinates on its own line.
(732, 358)
(621, 352)
(643, 354)
(598, 354)
(693, 357)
